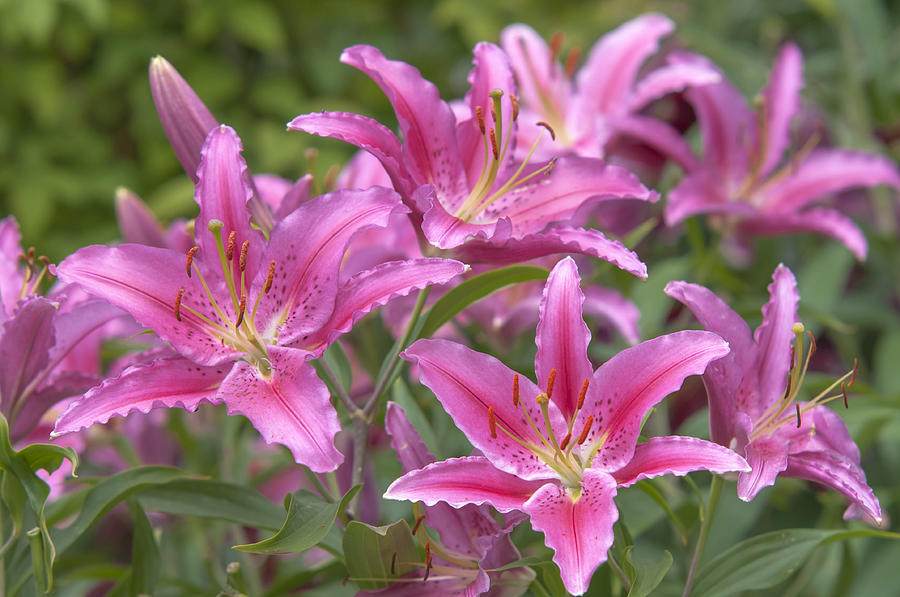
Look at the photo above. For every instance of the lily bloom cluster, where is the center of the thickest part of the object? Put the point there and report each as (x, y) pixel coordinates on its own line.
(246, 298)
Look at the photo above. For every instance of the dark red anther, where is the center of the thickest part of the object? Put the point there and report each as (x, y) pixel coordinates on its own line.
(45, 260)
(229, 248)
(427, 561)
(394, 564)
(548, 127)
(269, 278)
(551, 381)
(241, 309)
(178, 303)
(516, 389)
(812, 344)
(799, 422)
(793, 355)
(787, 390)
(587, 428)
(479, 117)
(582, 393)
(572, 62)
(492, 422)
(416, 526)
(190, 259)
(242, 262)
(844, 392)
(855, 369)
(555, 44)
(494, 149)
(565, 441)
(515, 106)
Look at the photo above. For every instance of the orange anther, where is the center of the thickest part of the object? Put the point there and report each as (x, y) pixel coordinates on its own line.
(548, 127)
(270, 278)
(494, 149)
(551, 381)
(178, 303)
(190, 259)
(515, 106)
(516, 389)
(565, 441)
(241, 309)
(245, 246)
(229, 248)
(479, 117)
(555, 44)
(492, 422)
(587, 428)
(572, 61)
(582, 393)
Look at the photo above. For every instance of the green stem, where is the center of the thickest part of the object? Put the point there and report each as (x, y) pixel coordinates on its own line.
(706, 518)
(352, 409)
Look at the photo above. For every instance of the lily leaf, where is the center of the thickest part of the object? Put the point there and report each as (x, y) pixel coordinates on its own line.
(376, 555)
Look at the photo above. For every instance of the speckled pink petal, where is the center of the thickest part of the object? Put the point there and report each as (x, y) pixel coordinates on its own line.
(144, 281)
(427, 123)
(307, 247)
(678, 455)
(774, 337)
(559, 239)
(628, 385)
(562, 337)
(374, 288)
(781, 102)
(291, 407)
(166, 383)
(467, 383)
(462, 481)
(580, 531)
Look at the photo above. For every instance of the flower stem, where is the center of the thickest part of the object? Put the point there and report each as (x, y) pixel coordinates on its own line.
(706, 518)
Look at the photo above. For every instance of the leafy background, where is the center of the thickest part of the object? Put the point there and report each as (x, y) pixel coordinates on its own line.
(77, 120)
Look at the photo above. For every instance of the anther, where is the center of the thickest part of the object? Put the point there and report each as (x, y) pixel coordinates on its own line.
(515, 106)
(245, 246)
(587, 428)
(844, 392)
(548, 127)
(555, 44)
(427, 561)
(565, 441)
(799, 422)
(812, 344)
(229, 248)
(494, 149)
(516, 389)
(178, 303)
(241, 309)
(582, 394)
(31, 253)
(394, 564)
(270, 278)
(572, 61)
(416, 526)
(479, 117)
(492, 422)
(494, 118)
(190, 259)
(45, 260)
(853, 375)
(793, 355)
(787, 390)
(551, 381)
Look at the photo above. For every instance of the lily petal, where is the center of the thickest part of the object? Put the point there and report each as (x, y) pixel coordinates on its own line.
(291, 407)
(462, 481)
(579, 530)
(628, 385)
(767, 457)
(773, 338)
(457, 374)
(169, 383)
(136, 222)
(781, 102)
(560, 239)
(661, 137)
(828, 222)
(562, 337)
(610, 305)
(25, 346)
(671, 79)
(678, 455)
(11, 277)
(368, 290)
(701, 193)
(840, 473)
(64, 385)
(538, 74)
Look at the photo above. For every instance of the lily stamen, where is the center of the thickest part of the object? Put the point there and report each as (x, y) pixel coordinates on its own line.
(572, 61)
(551, 381)
(178, 303)
(416, 526)
(190, 259)
(229, 250)
(492, 422)
(584, 432)
(516, 390)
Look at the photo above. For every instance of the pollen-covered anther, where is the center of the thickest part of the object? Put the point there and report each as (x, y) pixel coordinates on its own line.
(427, 561)
(556, 43)
(551, 381)
(549, 128)
(572, 61)
(844, 392)
(855, 369)
(492, 422)
(799, 421)
(190, 259)
(494, 148)
(565, 441)
(515, 106)
(812, 344)
(269, 278)
(416, 526)
(516, 389)
(178, 303)
(242, 260)
(479, 118)
(242, 308)
(394, 564)
(585, 430)
(229, 248)
(582, 393)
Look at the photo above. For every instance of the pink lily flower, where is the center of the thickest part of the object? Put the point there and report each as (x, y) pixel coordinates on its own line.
(465, 189)
(558, 451)
(246, 314)
(469, 540)
(753, 405)
(604, 99)
(744, 176)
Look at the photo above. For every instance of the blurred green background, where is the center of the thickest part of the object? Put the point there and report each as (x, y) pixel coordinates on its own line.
(77, 118)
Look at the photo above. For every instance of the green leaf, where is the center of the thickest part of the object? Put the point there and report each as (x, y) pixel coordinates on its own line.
(144, 553)
(48, 457)
(109, 492)
(474, 289)
(372, 552)
(768, 559)
(645, 572)
(308, 521)
(213, 499)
